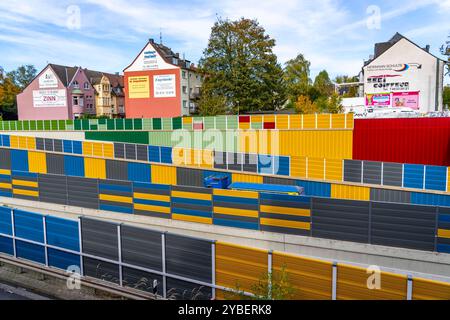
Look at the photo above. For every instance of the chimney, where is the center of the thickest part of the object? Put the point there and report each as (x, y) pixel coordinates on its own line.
(151, 40)
(427, 48)
(177, 55)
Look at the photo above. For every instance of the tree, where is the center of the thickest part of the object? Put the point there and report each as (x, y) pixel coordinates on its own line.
(446, 97)
(335, 104)
(239, 65)
(445, 50)
(323, 84)
(296, 77)
(211, 105)
(22, 76)
(304, 105)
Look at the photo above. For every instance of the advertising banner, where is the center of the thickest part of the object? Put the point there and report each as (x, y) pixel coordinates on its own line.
(49, 98)
(138, 87)
(48, 80)
(406, 99)
(378, 100)
(164, 86)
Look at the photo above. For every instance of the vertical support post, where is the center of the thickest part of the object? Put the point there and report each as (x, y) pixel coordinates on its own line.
(409, 291)
(446, 181)
(13, 231)
(316, 119)
(369, 237)
(81, 247)
(119, 248)
(270, 273)
(343, 169)
(306, 167)
(163, 253)
(159, 150)
(403, 175)
(334, 282)
(345, 120)
(424, 176)
(213, 269)
(44, 224)
(362, 172)
(331, 121)
(382, 173)
(436, 230)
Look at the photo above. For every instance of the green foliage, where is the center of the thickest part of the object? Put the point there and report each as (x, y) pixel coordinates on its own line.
(296, 77)
(240, 66)
(304, 105)
(323, 84)
(22, 76)
(446, 97)
(335, 104)
(211, 105)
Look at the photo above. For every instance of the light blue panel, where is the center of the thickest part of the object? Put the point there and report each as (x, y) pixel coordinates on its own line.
(5, 221)
(30, 251)
(62, 233)
(265, 164)
(436, 178)
(413, 176)
(29, 225)
(139, 172)
(430, 199)
(19, 160)
(63, 260)
(6, 245)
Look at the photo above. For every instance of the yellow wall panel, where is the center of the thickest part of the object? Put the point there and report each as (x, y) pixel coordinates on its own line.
(256, 119)
(339, 191)
(352, 285)
(350, 122)
(298, 167)
(309, 121)
(237, 177)
(178, 156)
(14, 141)
(31, 143)
(316, 168)
(37, 162)
(239, 267)
(97, 149)
(244, 125)
(87, 148)
(182, 217)
(94, 168)
(23, 142)
(333, 169)
(324, 121)
(282, 121)
(269, 118)
(424, 289)
(309, 278)
(207, 159)
(108, 150)
(187, 120)
(338, 121)
(164, 175)
(295, 121)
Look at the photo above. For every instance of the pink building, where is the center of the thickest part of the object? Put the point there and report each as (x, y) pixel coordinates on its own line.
(57, 93)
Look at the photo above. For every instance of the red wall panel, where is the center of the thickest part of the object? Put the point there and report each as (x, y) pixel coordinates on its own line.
(418, 140)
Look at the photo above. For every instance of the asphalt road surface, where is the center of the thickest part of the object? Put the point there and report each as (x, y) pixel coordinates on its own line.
(12, 293)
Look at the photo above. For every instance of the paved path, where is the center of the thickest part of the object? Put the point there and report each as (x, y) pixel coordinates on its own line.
(12, 293)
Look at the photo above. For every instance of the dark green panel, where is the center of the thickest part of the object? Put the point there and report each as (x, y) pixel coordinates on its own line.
(77, 124)
(94, 127)
(19, 125)
(62, 125)
(54, 125)
(157, 124)
(40, 125)
(110, 124)
(137, 124)
(123, 136)
(177, 123)
(33, 125)
(128, 124)
(26, 125)
(101, 121)
(47, 125)
(85, 124)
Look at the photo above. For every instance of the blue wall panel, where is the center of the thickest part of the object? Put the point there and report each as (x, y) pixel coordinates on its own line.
(6, 245)
(30, 251)
(29, 225)
(283, 166)
(318, 189)
(67, 146)
(62, 233)
(436, 178)
(413, 176)
(430, 199)
(19, 160)
(265, 164)
(77, 147)
(166, 155)
(6, 141)
(153, 154)
(63, 260)
(74, 166)
(5, 221)
(139, 172)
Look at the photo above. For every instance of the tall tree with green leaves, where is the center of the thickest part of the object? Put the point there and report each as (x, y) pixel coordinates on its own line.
(22, 76)
(446, 97)
(296, 77)
(239, 65)
(323, 84)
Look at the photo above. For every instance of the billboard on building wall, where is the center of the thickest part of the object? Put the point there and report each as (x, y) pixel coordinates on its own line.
(406, 99)
(164, 86)
(48, 80)
(49, 98)
(378, 100)
(139, 87)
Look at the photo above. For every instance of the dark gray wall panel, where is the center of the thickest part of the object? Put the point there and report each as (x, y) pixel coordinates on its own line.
(372, 172)
(101, 270)
(141, 247)
(182, 290)
(48, 143)
(130, 151)
(401, 225)
(346, 220)
(141, 280)
(386, 195)
(116, 170)
(40, 144)
(188, 257)
(141, 152)
(5, 159)
(189, 177)
(82, 192)
(57, 145)
(99, 238)
(220, 160)
(119, 150)
(53, 189)
(250, 163)
(234, 161)
(352, 170)
(280, 181)
(55, 163)
(392, 174)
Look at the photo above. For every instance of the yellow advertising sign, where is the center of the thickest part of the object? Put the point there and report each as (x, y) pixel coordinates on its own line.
(139, 87)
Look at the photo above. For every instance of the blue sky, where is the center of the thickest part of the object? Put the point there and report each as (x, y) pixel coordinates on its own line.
(332, 34)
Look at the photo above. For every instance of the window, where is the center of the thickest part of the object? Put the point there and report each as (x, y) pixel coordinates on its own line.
(76, 85)
(81, 102)
(86, 85)
(184, 104)
(184, 74)
(184, 89)
(75, 101)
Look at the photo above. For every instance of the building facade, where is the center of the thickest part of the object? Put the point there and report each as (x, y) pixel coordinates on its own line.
(159, 83)
(61, 93)
(402, 74)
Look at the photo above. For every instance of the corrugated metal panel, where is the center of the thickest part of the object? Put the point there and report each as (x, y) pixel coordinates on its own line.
(318, 189)
(311, 279)
(333, 169)
(237, 177)
(19, 160)
(285, 213)
(141, 280)
(141, 247)
(352, 285)
(340, 219)
(74, 166)
(101, 270)
(340, 191)
(413, 176)
(99, 238)
(316, 168)
(29, 225)
(139, 172)
(164, 175)
(386, 195)
(392, 174)
(189, 177)
(192, 204)
(37, 162)
(25, 185)
(141, 137)
(6, 245)
(5, 159)
(280, 181)
(53, 189)
(235, 161)
(62, 233)
(352, 171)
(130, 151)
(5, 221)
(30, 251)
(251, 163)
(154, 154)
(152, 200)
(116, 170)
(419, 141)
(94, 168)
(141, 152)
(371, 172)
(183, 290)
(119, 150)
(401, 225)
(189, 257)
(436, 178)
(443, 232)
(82, 192)
(424, 289)
(62, 260)
(238, 267)
(55, 163)
(430, 199)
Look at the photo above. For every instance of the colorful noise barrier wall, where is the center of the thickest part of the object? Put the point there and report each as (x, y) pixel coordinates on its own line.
(314, 121)
(434, 178)
(180, 267)
(373, 222)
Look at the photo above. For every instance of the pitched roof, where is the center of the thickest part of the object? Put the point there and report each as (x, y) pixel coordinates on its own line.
(96, 76)
(64, 73)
